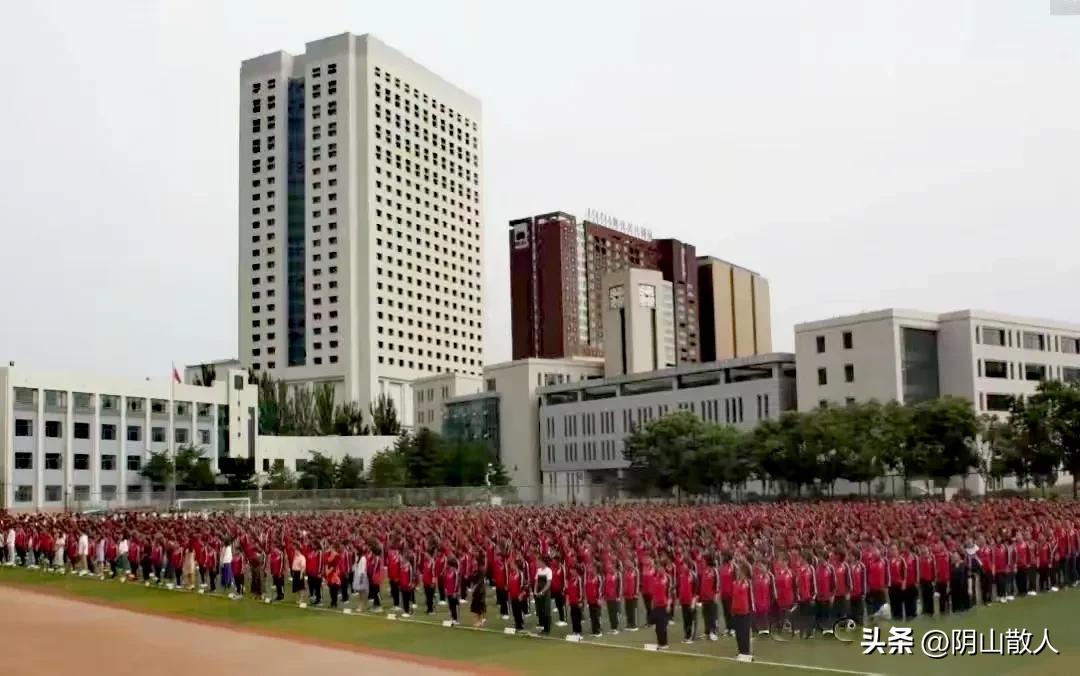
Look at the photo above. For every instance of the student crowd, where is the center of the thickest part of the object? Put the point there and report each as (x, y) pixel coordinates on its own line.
(726, 569)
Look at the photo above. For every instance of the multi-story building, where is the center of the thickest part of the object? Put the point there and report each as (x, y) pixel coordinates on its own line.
(910, 356)
(639, 322)
(69, 441)
(360, 220)
(431, 394)
(548, 308)
(475, 418)
(735, 311)
(678, 263)
(557, 267)
(584, 425)
(517, 384)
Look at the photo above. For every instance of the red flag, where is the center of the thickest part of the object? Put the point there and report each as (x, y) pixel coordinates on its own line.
(176, 375)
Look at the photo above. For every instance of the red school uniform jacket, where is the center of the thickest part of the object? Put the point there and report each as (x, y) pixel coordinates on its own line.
(612, 586)
(785, 589)
(451, 583)
(742, 600)
(661, 589)
(573, 589)
(687, 585)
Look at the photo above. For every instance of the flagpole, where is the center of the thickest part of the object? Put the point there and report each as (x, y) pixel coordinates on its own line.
(172, 428)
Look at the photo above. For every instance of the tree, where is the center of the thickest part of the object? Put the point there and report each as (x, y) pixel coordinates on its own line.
(319, 472)
(1003, 457)
(302, 418)
(388, 468)
(158, 468)
(349, 420)
(420, 453)
(944, 432)
(1060, 404)
(463, 464)
(350, 473)
(324, 408)
(207, 375)
(662, 452)
(498, 475)
(280, 477)
(384, 418)
(269, 406)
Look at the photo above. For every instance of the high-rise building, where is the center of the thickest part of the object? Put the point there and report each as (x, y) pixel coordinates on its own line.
(678, 263)
(359, 220)
(548, 310)
(639, 322)
(734, 309)
(609, 250)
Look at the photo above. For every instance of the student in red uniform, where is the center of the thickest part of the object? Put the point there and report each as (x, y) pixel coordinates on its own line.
(897, 583)
(806, 592)
(393, 574)
(277, 572)
(648, 570)
(942, 575)
(825, 583)
(742, 609)
(911, 591)
(375, 576)
(315, 556)
(498, 574)
(926, 580)
(407, 583)
(331, 574)
(762, 587)
(594, 588)
(784, 579)
(661, 598)
(558, 588)
(727, 581)
(859, 586)
(630, 590)
(427, 578)
(517, 589)
(612, 594)
(574, 594)
(452, 584)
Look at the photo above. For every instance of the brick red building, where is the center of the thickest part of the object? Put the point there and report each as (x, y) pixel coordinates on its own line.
(678, 263)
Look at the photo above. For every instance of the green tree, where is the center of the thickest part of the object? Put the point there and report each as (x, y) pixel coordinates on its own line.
(324, 408)
(350, 472)
(384, 417)
(388, 469)
(945, 431)
(238, 472)
(158, 468)
(319, 472)
(302, 419)
(421, 451)
(663, 453)
(1034, 429)
(269, 406)
(498, 475)
(463, 464)
(1064, 408)
(349, 420)
(280, 477)
(1003, 457)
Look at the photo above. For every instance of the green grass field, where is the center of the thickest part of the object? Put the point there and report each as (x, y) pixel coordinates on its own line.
(622, 654)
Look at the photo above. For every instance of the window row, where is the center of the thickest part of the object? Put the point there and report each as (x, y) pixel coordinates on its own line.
(1028, 340)
(79, 461)
(54, 493)
(54, 429)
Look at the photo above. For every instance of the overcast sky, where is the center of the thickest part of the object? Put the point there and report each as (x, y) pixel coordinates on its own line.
(915, 153)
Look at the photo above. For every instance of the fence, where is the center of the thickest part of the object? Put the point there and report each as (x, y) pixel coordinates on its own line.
(610, 491)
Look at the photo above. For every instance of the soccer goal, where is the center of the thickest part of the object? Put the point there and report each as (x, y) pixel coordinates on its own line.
(235, 505)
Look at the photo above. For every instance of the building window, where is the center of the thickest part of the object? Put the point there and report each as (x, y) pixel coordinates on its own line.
(180, 435)
(108, 462)
(204, 436)
(1070, 374)
(134, 463)
(822, 377)
(849, 373)
(24, 494)
(993, 336)
(53, 461)
(108, 492)
(1070, 345)
(998, 402)
(82, 493)
(24, 461)
(157, 434)
(81, 461)
(1036, 372)
(24, 427)
(1034, 341)
(995, 369)
(820, 344)
(134, 433)
(53, 494)
(82, 430)
(108, 432)
(53, 429)
(848, 340)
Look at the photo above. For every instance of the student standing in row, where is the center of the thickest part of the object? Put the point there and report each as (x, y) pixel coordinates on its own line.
(742, 607)
(661, 590)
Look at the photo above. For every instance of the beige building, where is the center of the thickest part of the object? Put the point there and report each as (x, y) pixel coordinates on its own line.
(518, 383)
(639, 322)
(430, 395)
(735, 311)
(910, 356)
(360, 220)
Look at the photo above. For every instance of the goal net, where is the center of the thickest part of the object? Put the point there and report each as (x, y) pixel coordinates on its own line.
(238, 506)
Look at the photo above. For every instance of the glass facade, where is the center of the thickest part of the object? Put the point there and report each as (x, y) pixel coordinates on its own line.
(474, 420)
(296, 231)
(920, 365)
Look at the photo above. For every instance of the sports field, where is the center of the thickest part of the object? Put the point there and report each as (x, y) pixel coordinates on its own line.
(425, 645)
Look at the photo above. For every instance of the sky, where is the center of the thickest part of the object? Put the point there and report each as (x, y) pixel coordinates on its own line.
(861, 155)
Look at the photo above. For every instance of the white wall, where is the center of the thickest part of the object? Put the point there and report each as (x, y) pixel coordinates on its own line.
(291, 449)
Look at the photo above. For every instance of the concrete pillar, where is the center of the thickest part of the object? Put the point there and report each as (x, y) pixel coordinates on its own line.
(39, 451)
(95, 458)
(121, 489)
